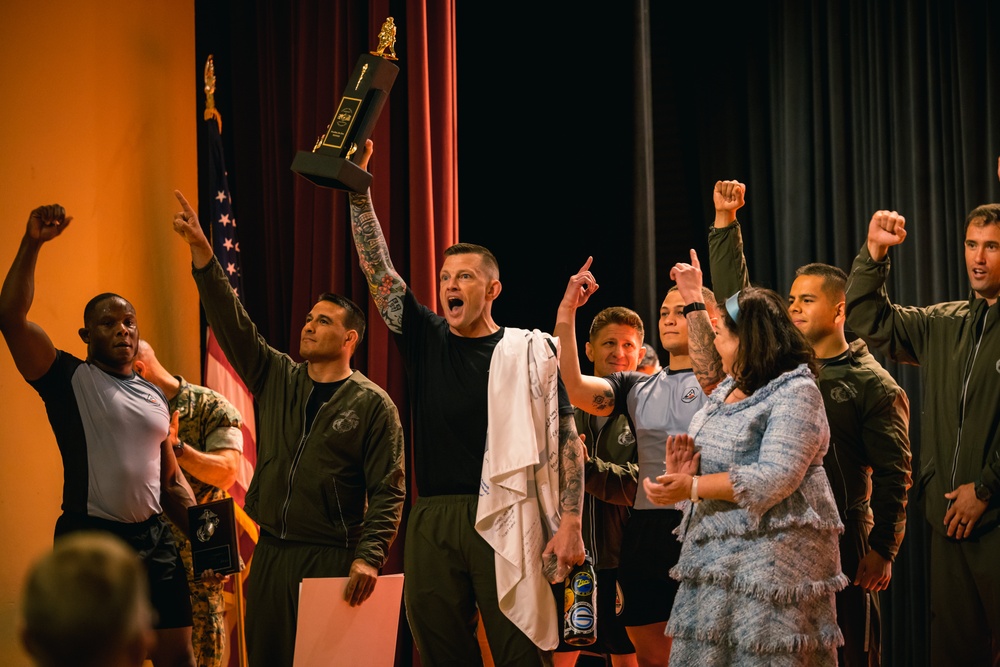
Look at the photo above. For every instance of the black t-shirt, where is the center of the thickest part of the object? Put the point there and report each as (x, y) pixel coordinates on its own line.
(320, 394)
(448, 378)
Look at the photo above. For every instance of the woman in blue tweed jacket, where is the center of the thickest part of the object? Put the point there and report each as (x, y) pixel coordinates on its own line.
(759, 563)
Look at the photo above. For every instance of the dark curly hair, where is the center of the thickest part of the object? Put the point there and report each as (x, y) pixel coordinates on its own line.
(769, 343)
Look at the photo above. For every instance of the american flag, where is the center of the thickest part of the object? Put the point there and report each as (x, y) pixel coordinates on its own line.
(220, 376)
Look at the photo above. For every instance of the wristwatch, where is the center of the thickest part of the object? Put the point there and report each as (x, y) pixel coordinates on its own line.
(693, 306)
(983, 492)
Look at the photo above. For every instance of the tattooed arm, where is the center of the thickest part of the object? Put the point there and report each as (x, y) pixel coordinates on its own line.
(587, 392)
(567, 543)
(705, 360)
(387, 287)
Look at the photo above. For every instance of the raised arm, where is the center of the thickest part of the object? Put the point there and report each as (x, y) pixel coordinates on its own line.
(725, 241)
(705, 360)
(728, 197)
(238, 337)
(587, 392)
(900, 333)
(29, 345)
(187, 225)
(387, 287)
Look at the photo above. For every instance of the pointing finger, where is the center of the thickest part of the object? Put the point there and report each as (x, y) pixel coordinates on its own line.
(694, 259)
(586, 265)
(184, 202)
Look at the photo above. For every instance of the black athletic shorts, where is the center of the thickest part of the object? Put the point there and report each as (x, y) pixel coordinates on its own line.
(168, 587)
(649, 550)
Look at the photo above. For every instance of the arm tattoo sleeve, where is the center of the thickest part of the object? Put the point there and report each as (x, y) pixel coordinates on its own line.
(386, 286)
(570, 467)
(701, 346)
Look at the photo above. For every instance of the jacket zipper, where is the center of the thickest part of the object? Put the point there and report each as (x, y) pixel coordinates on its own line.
(295, 465)
(593, 505)
(965, 390)
(836, 457)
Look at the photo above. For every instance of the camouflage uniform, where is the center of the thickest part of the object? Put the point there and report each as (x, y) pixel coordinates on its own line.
(202, 411)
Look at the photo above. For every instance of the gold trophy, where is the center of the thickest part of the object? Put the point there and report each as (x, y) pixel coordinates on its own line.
(329, 164)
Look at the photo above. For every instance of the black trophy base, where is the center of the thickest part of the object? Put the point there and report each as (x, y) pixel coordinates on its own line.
(331, 172)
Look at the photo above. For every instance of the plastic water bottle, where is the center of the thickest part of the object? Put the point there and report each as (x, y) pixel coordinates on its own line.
(580, 606)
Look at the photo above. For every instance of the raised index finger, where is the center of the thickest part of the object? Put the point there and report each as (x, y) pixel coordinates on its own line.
(586, 265)
(694, 259)
(184, 202)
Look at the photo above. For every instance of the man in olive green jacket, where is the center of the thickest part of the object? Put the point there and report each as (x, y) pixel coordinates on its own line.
(957, 346)
(328, 488)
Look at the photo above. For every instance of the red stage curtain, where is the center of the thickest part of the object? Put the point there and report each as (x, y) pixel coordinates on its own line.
(282, 69)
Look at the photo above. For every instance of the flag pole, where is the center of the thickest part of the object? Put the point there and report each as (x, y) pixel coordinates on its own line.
(211, 113)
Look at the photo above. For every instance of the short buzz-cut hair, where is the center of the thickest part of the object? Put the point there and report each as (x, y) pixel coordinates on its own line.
(707, 295)
(490, 262)
(85, 602)
(354, 317)
(617, 315)
(987, 214)
(91, 308)
(834, 278)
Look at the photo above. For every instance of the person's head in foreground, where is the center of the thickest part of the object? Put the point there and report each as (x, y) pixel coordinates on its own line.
(86, 604)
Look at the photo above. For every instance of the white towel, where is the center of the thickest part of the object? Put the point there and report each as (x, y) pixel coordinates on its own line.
(518, 508)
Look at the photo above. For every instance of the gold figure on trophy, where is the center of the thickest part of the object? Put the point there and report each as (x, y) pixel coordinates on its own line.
(386, 40)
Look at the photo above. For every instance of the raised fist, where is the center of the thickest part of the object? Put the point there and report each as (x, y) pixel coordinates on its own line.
(47, 222)
(886, 229)
(729, 195)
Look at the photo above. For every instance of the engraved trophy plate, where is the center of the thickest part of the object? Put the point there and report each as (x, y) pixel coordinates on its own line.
(329, 163)
(213, 537)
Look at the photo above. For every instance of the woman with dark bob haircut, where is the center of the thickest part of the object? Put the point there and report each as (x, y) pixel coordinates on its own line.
(759, 562)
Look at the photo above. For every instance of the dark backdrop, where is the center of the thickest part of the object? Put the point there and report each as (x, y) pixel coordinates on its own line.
(828, 111)
(601, 132)
(545, 129)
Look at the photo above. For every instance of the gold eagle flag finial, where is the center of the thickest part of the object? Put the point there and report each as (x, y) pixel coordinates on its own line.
(210, 110)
